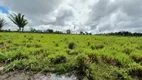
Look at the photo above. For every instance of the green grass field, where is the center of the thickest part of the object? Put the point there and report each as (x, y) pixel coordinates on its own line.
(88, 57)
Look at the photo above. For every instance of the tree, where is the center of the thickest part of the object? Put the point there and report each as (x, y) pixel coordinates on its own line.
(19, 20)
(50, 31)
(86, 33)
(2, 23)
(68, 31)
(33, 30)
(58, 32)
(81, 32)
(90, 33)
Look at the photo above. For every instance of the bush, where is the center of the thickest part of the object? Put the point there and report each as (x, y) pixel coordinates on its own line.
(2, 44)
(73, 52)
(60, 69)
(97, 46)
(56, 44)
(127, 50)
(3, 57)
(58, 59)
(17, 65)
(71, 45)
(82, 66)
(88, 44)
(12, 56)
(38, 45)
(135, 71)
(94, 58)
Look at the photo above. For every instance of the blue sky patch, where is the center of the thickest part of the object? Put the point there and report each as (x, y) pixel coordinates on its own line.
(4, 10)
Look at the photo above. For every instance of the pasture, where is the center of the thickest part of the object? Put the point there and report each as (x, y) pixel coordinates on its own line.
(87, 57)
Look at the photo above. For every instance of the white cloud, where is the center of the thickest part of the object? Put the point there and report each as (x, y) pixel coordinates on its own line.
(78, 15)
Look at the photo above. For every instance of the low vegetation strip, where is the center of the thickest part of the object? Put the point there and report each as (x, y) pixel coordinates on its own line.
(85, 56)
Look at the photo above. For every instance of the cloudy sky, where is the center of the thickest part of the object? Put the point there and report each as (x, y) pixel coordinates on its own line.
(77, 15)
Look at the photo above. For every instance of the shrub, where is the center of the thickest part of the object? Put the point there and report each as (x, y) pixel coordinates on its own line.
(41, 36)
(68, 51)
(56, 44)
(73, 52)
(65, 39)
(16, 56)
(60, 69)
(25, 36)
(53, 41)
(135, 71)
(97, 46)
(92, 47)
(82, 66)
(88, 44)
(38, 46)
(3, 57)
(100, 46)
(71, 45)
(2, 44)
(136, 57)
(9, 41)
(127, 50)
(94, 58)
(17, 65)
(28, 45)
(58, 59)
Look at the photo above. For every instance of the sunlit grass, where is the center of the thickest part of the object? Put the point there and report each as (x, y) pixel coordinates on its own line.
(92, 57)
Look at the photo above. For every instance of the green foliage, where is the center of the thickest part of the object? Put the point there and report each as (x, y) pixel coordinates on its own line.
(86, 57)
(19, 20)
(2, 23)
(97, 46)
(3, 57)
(81, 66)
(68, 31)
(49, 31)
(71, 45)
(58, 59)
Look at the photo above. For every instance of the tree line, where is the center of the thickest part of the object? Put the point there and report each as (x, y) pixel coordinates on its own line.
(21, 22)
(124, 33)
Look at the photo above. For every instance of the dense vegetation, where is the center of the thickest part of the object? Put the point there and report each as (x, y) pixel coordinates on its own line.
(87, 57)
(124, 33)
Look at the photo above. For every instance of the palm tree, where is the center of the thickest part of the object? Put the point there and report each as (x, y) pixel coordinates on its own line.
(2, 23)
(19, 20)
